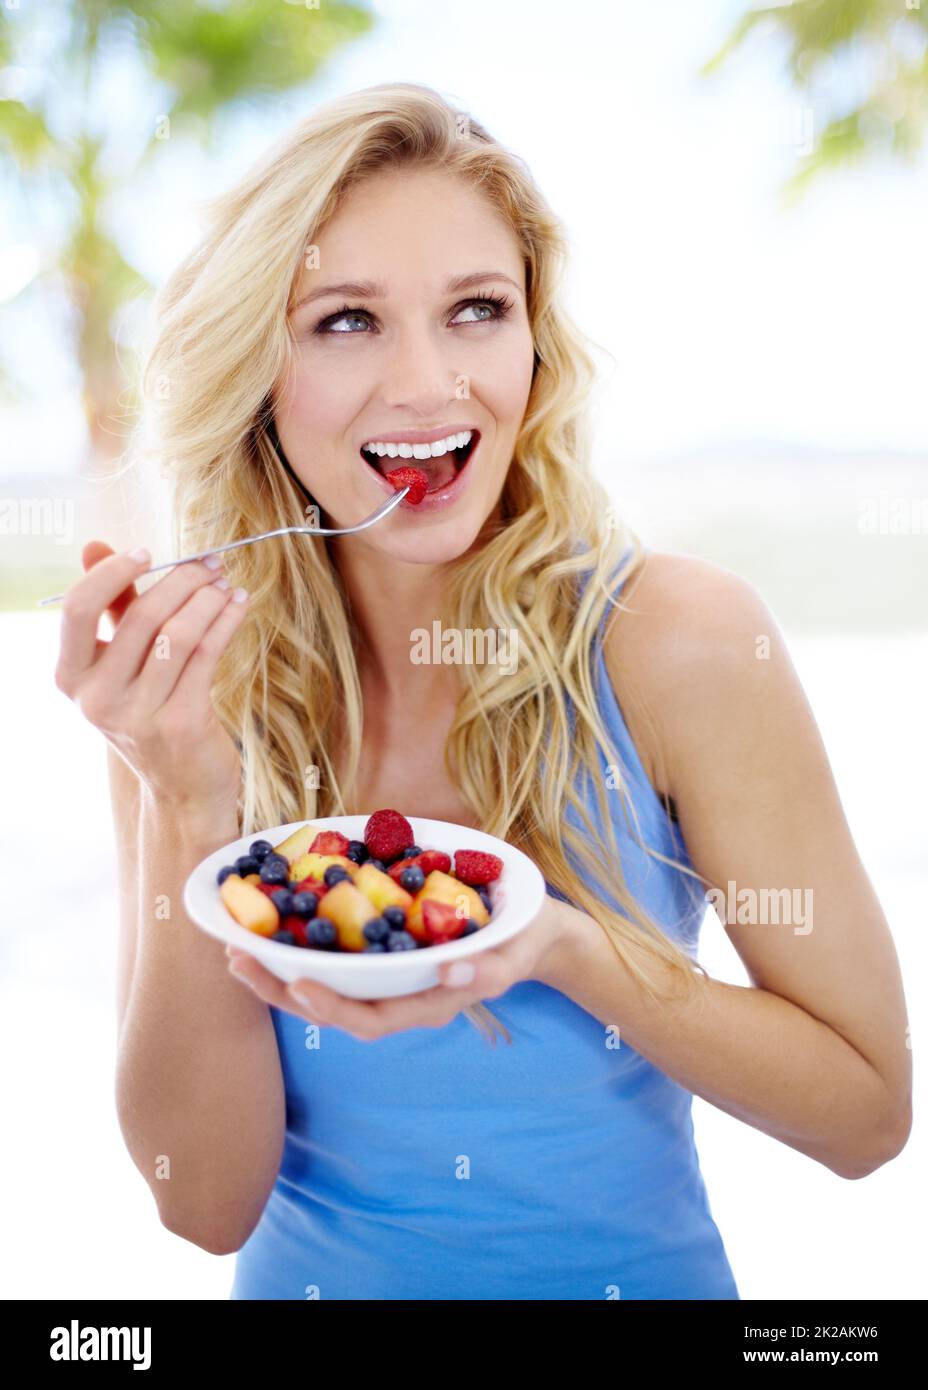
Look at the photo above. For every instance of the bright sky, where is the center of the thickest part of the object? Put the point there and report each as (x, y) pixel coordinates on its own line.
(726, 317)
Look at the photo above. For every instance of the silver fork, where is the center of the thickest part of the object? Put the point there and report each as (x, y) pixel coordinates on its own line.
(374, 517)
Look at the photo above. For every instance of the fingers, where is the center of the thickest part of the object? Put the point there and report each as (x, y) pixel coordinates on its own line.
(92, 554)
(135, 652)
(267, 986)
(196, 679)
(177, 643)
(369, 1020)
(107, 581)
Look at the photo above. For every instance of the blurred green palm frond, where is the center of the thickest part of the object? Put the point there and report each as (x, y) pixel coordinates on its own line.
(200, 58)
(874, 52)
(25, 136)
(267, 46)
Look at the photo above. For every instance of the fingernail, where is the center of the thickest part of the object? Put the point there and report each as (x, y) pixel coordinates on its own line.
(212, 562)
(221, 582)
(140, 556)
(460, 973)
(240, 596)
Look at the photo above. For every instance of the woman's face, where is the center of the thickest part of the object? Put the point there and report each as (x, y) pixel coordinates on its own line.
(413, 354)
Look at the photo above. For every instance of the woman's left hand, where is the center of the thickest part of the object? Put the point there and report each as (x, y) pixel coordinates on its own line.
(528, 956)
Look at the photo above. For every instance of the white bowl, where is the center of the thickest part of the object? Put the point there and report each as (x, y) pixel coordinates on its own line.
(517, 897)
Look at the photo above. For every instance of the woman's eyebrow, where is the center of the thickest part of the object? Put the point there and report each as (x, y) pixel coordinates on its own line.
(368, 289)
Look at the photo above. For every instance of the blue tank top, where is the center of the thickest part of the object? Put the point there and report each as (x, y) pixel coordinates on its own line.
(431, 1164)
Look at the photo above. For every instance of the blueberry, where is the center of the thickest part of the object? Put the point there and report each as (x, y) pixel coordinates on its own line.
(374, 946)
(246, 864)
(409, 853)
(395, 917)
(484, 897)
(470, 926)
(401, 941)
(412, 878)
(304, 905)
(377, 929)
(286, 938)
(283, 901)
(357, 852)
(379, 864)
(334, 874)
(260, 849)
(224, 872)
(321, 932)
(272, 871)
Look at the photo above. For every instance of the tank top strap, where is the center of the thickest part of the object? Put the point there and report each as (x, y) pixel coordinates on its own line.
(679, 898)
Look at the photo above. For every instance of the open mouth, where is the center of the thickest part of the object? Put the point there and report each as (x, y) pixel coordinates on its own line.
(440, 470)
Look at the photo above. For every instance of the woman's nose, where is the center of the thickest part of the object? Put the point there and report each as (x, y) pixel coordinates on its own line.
(423, 375)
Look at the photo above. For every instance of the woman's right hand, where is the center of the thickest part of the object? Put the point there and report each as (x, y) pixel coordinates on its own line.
(148, 689)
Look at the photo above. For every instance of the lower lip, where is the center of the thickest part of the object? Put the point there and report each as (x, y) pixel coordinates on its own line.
(441, 497)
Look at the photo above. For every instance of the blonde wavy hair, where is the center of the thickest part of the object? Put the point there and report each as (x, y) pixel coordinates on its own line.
(287, 688)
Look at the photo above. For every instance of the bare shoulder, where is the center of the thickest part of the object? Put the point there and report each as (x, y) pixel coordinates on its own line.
(715, 707)
(689, 635)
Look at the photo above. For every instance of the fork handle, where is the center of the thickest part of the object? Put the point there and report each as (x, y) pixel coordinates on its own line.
(281, 531)
(217, 550)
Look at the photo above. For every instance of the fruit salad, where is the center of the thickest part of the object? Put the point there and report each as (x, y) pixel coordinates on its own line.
(318, 889)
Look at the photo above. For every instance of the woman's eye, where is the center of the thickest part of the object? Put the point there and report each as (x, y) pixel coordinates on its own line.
(329, 325)
(481, 304)
(482, 311)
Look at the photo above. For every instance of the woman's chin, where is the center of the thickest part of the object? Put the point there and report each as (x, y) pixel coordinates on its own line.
(428, 545)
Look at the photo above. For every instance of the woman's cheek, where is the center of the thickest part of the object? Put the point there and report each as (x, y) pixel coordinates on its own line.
(509, 361)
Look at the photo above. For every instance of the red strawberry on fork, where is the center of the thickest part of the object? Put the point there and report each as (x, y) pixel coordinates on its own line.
(414, 478)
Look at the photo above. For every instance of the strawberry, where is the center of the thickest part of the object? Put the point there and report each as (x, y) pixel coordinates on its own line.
(431, 859)
(297, 926)
(387, 834)
(473, 866)
(418, 483)
(441, 922)
(311, 885)
(428, 860)
(329, 842)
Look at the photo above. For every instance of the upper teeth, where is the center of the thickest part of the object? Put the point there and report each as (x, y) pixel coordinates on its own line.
(420, 451)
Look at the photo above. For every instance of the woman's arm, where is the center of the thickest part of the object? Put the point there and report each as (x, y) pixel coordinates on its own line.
(816, 1053)
(199, 1090)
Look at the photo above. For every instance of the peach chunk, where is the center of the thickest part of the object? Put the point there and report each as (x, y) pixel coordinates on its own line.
(349, 909)
(443, 888)
(251, 908)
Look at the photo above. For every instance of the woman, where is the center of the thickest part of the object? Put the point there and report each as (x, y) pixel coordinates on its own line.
(389, 273)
